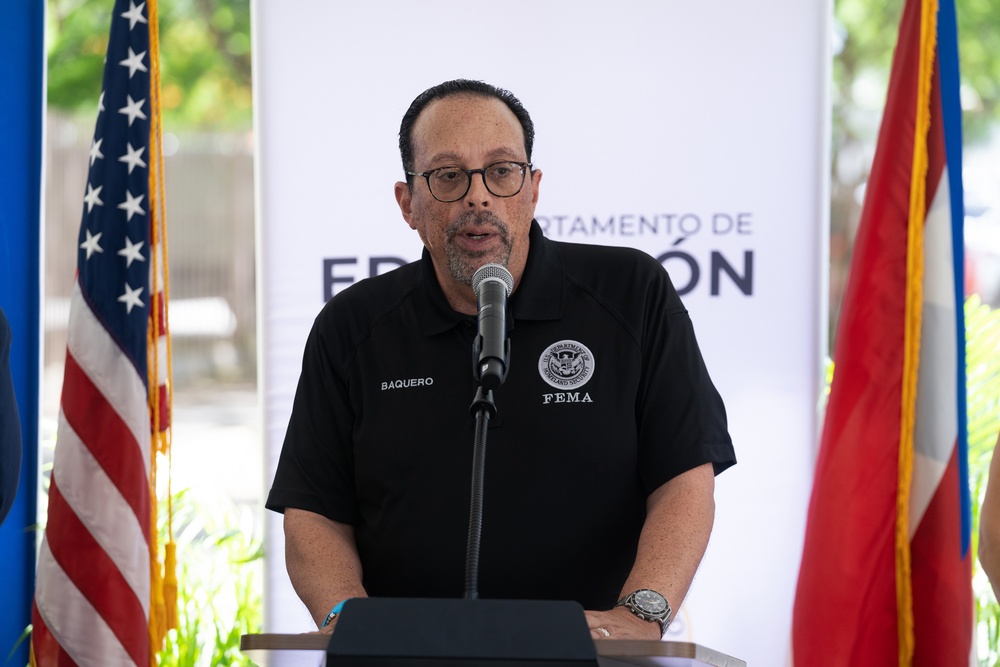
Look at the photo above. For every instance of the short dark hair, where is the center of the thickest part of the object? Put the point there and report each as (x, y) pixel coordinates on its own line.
(460, 87)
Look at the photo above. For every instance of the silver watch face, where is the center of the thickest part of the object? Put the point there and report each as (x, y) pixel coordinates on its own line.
(650, 602)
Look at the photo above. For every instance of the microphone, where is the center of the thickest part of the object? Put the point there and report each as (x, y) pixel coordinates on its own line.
(492, 284)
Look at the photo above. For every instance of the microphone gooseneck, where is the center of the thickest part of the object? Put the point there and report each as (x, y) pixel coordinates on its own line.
(492, 284)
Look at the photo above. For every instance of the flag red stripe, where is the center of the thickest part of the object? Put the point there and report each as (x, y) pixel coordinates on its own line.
(164, 406)
(44, 646)
(941, 581)
(108, 438)
(95, 575)
(936, 156)
(159, 305)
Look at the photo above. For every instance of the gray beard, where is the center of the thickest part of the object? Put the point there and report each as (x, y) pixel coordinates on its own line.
(462, 265)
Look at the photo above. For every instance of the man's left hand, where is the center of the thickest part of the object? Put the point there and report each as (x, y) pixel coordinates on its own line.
(620, 623)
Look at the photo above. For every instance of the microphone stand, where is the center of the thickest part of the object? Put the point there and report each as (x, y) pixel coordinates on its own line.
(483, 409)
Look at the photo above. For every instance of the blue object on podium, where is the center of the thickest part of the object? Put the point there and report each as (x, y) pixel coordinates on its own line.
(419, 632)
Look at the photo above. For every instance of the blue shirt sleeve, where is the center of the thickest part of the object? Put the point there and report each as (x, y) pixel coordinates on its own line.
(10, 426)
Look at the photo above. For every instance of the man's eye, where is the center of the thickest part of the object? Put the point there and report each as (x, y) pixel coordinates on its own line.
(503, 170)
(448, 175)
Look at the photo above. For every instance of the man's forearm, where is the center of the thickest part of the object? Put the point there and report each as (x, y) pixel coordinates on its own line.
(322, 561)
(679, 518)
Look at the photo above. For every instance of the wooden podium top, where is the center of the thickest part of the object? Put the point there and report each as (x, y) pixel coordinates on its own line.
(309, 650)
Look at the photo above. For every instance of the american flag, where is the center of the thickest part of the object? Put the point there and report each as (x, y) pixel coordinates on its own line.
(98, 576)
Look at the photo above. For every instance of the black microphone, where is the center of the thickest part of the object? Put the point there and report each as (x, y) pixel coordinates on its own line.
(492, 284)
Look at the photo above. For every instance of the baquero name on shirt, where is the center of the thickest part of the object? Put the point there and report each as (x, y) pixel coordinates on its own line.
(407, 384)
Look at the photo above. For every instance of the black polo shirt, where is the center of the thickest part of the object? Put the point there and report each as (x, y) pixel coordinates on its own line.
(607, 398)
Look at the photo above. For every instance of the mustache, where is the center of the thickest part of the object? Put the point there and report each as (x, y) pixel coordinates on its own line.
(472, 219)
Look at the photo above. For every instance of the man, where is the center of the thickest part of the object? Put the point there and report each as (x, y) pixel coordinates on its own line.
(601, 460)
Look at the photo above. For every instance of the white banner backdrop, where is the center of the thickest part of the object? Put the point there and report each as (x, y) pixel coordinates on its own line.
(695, 131)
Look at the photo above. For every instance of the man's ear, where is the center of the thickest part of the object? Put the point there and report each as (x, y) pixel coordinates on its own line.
(536, 179)
(404, 199)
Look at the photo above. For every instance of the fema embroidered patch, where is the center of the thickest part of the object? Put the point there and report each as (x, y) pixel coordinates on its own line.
(567, 364)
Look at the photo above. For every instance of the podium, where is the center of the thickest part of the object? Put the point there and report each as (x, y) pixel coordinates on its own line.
(309, 650)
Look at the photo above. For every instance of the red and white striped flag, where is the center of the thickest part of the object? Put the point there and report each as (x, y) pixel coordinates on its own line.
(99, 590)
(886, 575)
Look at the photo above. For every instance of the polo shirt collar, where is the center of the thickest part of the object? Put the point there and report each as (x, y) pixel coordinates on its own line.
(539, 296)
(433, 311)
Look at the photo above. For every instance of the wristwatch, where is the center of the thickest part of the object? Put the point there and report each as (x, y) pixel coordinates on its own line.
(649, 606)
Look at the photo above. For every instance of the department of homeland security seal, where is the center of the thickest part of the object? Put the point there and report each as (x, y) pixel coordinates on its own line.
(567, 364)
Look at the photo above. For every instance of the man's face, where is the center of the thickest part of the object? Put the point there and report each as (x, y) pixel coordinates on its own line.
(470, 132)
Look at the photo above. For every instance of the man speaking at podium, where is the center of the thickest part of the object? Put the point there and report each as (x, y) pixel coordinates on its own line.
(599, 474)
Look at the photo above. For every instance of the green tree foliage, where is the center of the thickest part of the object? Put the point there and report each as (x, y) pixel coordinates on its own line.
(204, 60)
(865, 33)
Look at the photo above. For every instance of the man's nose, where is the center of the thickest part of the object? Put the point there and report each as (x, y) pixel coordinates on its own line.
(478, 194)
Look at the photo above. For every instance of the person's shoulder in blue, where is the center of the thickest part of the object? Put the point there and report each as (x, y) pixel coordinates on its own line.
(10, 426)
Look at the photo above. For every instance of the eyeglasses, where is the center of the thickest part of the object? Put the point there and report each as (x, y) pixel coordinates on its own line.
(449, 184)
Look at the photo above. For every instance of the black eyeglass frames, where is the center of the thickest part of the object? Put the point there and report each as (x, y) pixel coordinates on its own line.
(449, 184)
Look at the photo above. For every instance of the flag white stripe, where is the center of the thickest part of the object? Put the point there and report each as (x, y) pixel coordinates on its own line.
(936, 428)
(161, 359)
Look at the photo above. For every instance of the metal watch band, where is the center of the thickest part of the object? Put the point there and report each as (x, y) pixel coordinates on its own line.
(662, 619)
